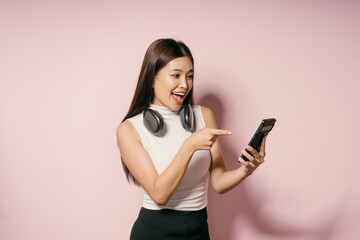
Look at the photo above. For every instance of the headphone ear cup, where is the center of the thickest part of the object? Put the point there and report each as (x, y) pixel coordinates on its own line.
(153, 121)
(187, 117)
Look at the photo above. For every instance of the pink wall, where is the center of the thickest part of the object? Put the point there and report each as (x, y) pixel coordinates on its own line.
(67, 75)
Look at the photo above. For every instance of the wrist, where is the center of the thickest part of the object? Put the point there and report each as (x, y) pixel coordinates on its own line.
(245, 171)
(189, 146)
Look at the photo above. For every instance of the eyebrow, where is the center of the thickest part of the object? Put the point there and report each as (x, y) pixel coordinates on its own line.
(180, 70)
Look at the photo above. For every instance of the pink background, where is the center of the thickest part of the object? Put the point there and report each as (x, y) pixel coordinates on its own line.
(67, 75)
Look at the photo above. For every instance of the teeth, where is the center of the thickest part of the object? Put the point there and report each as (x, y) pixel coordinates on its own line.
(180, 94)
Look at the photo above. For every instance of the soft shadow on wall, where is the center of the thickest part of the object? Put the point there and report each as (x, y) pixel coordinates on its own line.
(224, 209)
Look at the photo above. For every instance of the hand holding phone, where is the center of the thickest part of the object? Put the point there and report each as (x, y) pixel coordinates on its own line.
(263, 130)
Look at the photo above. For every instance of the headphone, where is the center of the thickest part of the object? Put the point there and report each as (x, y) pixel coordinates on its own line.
(154, 122)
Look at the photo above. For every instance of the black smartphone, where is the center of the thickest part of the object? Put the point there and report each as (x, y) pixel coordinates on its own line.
(263, 130)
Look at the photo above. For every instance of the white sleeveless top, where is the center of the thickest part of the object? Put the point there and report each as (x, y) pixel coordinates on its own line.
(191, 193)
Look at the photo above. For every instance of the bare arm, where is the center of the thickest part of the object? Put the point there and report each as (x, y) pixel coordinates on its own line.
(160, 187)
(221, 179)
(136, 158)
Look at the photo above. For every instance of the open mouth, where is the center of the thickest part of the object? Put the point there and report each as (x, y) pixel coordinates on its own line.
(178, 96)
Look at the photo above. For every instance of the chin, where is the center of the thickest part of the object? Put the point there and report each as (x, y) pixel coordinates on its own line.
(175, 107)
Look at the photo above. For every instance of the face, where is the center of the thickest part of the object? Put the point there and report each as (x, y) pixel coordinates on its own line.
(173, 83)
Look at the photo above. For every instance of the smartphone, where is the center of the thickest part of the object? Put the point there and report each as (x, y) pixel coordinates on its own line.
(263, 130)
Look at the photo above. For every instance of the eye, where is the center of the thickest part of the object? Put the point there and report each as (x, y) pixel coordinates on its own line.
(190, 77)
(176, 75)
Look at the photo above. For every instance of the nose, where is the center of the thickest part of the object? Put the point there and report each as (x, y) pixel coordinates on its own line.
(183, 83)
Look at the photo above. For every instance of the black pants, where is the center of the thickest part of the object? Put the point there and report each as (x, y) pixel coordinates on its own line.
(169, 224)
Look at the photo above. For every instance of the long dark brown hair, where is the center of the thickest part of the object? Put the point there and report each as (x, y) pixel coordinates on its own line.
(158, 54)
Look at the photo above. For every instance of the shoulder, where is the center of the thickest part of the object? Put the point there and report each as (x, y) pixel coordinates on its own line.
(129, 126)
(126, 130)
(125, 127)
(207, 112)
(209, 117)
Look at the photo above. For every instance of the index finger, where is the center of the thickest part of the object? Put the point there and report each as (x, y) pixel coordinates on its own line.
(219, 132)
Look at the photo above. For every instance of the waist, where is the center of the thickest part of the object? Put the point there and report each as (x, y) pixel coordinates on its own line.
(171, 213)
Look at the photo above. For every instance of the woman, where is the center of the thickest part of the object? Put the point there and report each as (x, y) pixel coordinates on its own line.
(168, 146)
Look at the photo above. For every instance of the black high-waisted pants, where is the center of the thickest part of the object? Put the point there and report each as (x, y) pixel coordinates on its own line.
(169, 224)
